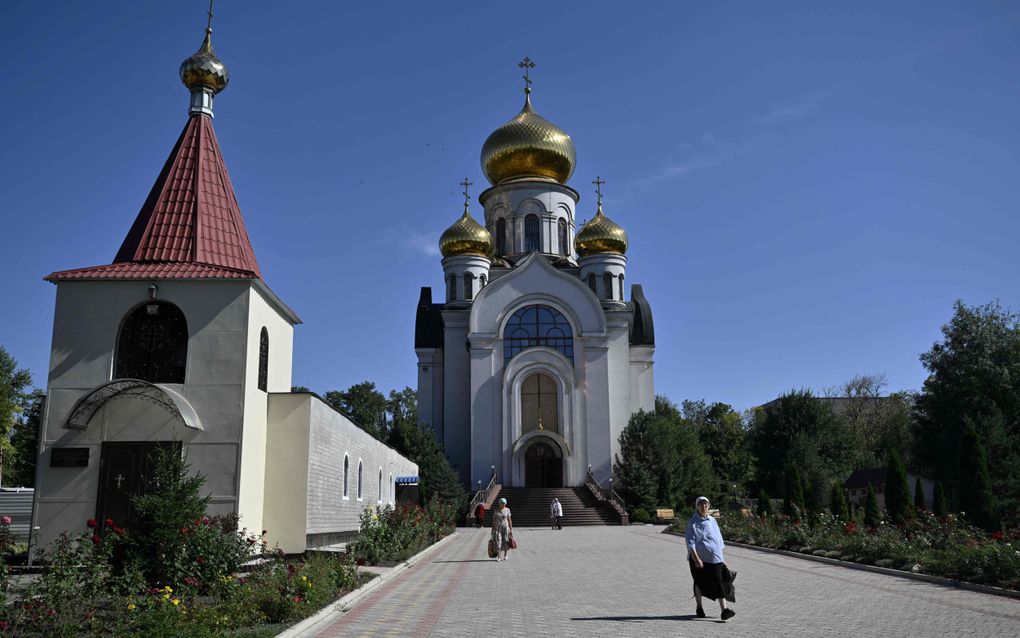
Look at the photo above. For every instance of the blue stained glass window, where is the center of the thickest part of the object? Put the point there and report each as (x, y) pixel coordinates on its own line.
(535, 326)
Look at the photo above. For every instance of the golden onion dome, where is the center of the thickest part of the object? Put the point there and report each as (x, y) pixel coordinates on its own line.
(204, 68)
(528, 146)
(600, 235)
(465, 237)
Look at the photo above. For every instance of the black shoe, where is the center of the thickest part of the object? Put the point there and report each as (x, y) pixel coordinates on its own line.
(699, 612)
(727, 614)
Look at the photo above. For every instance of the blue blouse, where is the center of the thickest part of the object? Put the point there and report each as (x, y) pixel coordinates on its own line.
(703, 536)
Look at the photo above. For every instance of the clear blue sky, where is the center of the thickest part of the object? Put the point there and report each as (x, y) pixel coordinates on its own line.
(807, 186)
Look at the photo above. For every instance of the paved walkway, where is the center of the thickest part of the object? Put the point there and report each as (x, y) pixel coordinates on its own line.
(634, 581)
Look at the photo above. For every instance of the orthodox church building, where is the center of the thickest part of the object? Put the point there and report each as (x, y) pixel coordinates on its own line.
(533, 362)
(180, 342)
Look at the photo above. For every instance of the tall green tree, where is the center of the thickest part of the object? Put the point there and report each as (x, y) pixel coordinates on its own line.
(897, 489)
(363, 405)
(15, 397)
(876, 422)
(661, 460)
(939, 504)
(978, 500)
(724, 438)
(838, 504)
(872, 515)
(764, 505)
(973, 376)
(798, 429)
(793, 492)
(919, 502)
(20, 470)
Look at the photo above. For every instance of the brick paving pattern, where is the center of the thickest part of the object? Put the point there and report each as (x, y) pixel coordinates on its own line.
(634, 581)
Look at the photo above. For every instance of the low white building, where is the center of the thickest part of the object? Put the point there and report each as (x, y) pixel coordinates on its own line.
(180, 341)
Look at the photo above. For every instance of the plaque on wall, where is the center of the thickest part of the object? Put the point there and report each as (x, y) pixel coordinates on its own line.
(69, 457)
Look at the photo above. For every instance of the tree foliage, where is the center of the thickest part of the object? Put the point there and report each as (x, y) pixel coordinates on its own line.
(977, 498)
(764, 505)
(939, 504)
(974, 377)
(875, 422)
(363, 405)
(919, 500)
(800, 430)
(793, 492)
(20, 469)
(897, 489)
(872, 515)
(724, 439)
(838, 504)
(15, 398)
(661, 462)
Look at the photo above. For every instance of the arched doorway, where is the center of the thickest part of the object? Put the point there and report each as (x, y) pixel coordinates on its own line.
(542, 466)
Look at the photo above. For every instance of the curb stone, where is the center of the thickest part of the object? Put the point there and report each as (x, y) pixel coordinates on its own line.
(928, 578)
(326, 616)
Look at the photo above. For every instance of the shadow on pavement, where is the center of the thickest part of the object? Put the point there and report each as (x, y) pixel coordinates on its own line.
(640, 618)
(474, 560)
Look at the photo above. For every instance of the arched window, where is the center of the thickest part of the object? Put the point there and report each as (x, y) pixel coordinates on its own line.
(539, 404)
(380, 485)
(153, 344)
(481, 282)
(607, 284)
(501, 236)
(534, 326)
(622, 295)
(393, 490)
(469, 285)
(531, 236)
(591, 283)
(451, 289)
(264, 359)
(361, 475)
(564, 250)
(347, 467)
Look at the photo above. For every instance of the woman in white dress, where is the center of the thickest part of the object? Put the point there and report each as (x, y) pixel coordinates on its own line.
(502, 530)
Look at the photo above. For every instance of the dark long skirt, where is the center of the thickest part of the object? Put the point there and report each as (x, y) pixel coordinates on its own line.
(709, 579)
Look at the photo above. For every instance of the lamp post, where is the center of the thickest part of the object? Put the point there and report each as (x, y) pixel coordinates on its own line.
(610, 488)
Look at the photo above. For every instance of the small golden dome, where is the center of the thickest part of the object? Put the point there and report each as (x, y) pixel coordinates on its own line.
(528, 146)
(465, 237)
(204, 68)
(600, 235)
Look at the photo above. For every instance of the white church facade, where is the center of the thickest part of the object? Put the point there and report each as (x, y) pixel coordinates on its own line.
(533, 363)
(181, 342)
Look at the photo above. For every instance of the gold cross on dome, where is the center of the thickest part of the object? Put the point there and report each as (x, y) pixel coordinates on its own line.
(527, 64)
(467, 198)
(598, 181)
(209, 25)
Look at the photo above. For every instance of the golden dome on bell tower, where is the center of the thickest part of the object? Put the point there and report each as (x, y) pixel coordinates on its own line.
(528, 145)
(204, 69)
(600, 234)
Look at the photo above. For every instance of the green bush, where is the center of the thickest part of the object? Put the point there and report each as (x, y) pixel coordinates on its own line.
(641, 515)
(394, 534)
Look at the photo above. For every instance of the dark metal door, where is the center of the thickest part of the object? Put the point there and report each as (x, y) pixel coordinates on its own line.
(124, 470)
(542, 468)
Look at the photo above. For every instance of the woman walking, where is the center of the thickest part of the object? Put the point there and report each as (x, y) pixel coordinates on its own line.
(705, 556)
(502, 530)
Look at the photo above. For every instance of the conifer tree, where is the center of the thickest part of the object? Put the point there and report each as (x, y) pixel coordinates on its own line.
(939, 505)
(793, 498)
(897, 490)
(872, 515)
(919, 502)
(975, 483)
(764, 505)
(837, 502)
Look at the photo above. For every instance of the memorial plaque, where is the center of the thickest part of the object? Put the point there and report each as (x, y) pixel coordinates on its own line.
(69, 457)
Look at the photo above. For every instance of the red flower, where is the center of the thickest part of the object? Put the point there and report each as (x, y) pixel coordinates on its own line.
(96, 540)
(109, 522)
(91, 523)
(51, 612)
(200, 560)
(184, 531)
(205, 520)
(3, 625)
(997, 536)
(850, 527)
(297, 599)
(119, 531)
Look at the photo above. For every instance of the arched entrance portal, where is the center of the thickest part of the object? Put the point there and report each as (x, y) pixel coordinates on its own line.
(542, 466)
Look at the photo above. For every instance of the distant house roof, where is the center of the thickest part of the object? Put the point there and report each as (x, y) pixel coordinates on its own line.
(862, 478)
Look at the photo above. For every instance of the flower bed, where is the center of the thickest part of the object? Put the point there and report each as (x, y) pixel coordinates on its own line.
(925, 543)
(391, 535)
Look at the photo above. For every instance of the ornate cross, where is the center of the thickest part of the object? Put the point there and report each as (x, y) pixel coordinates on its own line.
(119, 479)
(209, 25)
(152, 337)
(467, 198)
(598, 181)
(527, 64)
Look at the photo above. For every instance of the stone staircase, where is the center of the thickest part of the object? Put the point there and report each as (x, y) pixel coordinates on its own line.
(530, 507)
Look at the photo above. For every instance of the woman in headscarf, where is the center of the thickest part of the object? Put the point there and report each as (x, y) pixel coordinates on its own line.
(705, 556)
(502, 530)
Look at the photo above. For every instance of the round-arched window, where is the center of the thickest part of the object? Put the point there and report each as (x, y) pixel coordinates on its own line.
(534, 326)
(153, 344)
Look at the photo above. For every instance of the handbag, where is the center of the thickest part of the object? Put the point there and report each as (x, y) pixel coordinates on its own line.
(730, 590)
(492, 548)
(513, 543)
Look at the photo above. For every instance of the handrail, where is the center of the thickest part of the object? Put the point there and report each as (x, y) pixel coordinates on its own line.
(480, 496)
(610, 495)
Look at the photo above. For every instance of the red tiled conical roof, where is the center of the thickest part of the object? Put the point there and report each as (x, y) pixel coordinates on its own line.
(190, 226)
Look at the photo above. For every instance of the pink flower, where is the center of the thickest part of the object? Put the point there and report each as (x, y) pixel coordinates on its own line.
(6, 520)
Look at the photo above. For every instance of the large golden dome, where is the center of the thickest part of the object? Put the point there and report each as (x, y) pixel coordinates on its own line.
(528, 146)
(465, 237)
(600, 235)
(204, 68)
